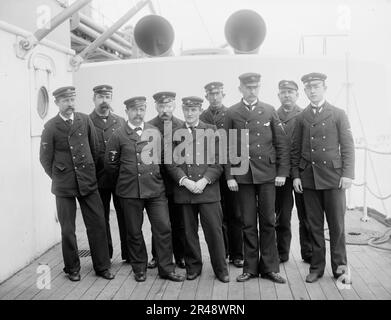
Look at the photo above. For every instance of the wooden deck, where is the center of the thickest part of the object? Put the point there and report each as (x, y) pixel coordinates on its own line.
(370, 267)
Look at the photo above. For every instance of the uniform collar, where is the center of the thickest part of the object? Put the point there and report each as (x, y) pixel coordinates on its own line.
(72, 117)
(134, 127)
(319, 105)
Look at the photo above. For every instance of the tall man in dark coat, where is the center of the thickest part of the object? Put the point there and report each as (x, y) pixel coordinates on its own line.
(196, 172)
(232, 226)
(106, 122)
(68, 154)
(260, 132)
(322, 160)
(165, 106)
(133, 157)
(288, 111)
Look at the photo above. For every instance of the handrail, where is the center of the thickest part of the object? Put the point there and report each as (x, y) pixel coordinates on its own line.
(365, 184)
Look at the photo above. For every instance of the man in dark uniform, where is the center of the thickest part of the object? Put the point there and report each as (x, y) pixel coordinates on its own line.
(165, 106)
(232, 226)
(268, 166)
(322, 161)
(139, 186)
(68, 154)
(287, 93)
(106, 123)
(197, 174)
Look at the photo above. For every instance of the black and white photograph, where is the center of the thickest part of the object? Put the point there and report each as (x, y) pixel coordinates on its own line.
(198, 156)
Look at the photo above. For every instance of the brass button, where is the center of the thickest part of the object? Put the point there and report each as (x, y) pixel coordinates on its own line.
(313, 162)
(324, 149)
(324, 162)
(258, 134)
(259, 157)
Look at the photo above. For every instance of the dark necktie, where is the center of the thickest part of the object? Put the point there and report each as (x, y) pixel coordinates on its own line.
(69, 122)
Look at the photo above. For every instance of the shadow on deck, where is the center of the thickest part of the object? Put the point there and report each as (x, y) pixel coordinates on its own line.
(370, 268)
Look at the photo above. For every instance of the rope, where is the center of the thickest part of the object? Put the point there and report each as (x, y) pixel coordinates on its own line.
(376, 196)
(375, 242)
(374, 151)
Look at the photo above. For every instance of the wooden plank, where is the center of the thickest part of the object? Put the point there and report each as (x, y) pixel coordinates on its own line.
(368, 277)
(298, 289)
(93, 292)
(251, 290)
(126, 289)
(157, 289)
(375, 277)
(142, 289)
(172, 290)
(205, 286)
(16, 284)
(235, 288)
(189, 289)
(283, 290)
(381, 262)
(113, 286)
(314, 290)
(220, 290)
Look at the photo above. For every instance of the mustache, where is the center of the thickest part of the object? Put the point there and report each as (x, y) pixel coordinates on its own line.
(104, 105)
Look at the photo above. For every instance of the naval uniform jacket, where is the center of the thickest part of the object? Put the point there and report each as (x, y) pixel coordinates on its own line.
(195, 170)
(288, 119)
(68, 155)
(322, 148)
(218, 118)
(268, 145)
(159, 123)
(104, 131)
(133, 177)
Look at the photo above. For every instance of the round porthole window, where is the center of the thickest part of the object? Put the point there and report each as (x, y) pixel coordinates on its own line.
(43, 102)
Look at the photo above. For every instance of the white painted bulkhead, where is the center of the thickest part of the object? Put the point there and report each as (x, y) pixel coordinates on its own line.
(29, 223)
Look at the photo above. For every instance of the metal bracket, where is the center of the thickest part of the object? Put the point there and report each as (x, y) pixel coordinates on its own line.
(23, 45)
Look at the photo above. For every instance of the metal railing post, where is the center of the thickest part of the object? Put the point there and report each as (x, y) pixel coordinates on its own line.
(365, 218)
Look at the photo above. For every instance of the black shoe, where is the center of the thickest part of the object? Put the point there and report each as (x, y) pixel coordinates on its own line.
(152, 264)
(106, 274)
(192, 276)
(307, 260)
(245, 276)
(74, 276)
(172, 276)
(273, 276)
(313, 277)
(181, 263)
(140, 276)
(283, 259)
(224, 278)
(238, 263)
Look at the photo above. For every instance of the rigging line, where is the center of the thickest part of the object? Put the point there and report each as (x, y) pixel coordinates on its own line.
(369, 155)
(203, 22)
(338, 93)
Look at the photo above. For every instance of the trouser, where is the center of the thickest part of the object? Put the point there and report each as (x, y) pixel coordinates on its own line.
(105, 195)
(93, 216)
(211, 222)
(260, 249)
(232, 224)
(332, 203)
(177, 230)
(284, 206)
(157, 211)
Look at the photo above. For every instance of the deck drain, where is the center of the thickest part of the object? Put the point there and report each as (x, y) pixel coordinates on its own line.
(84, 253)
(357, 236)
